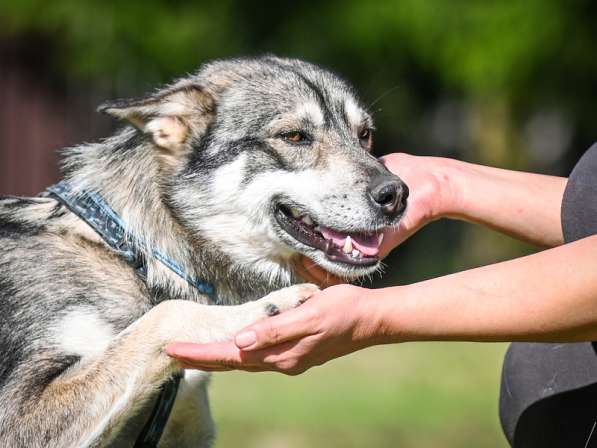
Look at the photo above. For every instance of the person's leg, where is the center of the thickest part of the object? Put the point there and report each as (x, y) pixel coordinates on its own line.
(548, 395)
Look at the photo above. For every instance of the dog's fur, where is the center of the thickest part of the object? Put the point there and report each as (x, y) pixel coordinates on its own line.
(198, 176)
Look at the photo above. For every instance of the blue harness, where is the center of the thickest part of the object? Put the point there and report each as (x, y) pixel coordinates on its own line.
(94, 210)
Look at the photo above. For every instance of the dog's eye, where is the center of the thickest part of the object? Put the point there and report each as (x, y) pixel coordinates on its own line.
(365, 137)
(295, 137)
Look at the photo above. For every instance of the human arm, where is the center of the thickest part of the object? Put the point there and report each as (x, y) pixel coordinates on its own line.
(526, 206)
(548, 296)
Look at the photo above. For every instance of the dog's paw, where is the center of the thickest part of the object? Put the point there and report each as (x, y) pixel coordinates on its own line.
(284, 299)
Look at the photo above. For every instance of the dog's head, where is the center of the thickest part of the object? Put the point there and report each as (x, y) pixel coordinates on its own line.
(270, 158)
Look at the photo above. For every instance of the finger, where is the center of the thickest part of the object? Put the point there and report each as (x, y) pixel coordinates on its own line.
(213, 368)
(217, 353)
(324, 278)
(273, 355)
(207, 368)
(204, 368)
(394, 162)
(278, 358)
(217, 357)
(393, 237)
(251, 364)
(290, 358)
(290, 325)
(311, 271)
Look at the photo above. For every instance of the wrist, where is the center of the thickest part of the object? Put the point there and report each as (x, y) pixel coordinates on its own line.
(397, 315)
(379, 316)
(450, 177)
(368, 313)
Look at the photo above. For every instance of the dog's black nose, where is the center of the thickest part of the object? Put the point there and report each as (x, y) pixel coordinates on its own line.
(389, 194)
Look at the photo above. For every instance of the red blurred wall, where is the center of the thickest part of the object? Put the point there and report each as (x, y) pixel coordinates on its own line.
(39, 114)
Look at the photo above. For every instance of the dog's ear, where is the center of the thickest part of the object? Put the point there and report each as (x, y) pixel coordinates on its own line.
(171, 117)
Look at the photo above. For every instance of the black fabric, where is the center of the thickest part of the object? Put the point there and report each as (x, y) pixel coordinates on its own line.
(154, 428)
(548, 394)
(579, 206)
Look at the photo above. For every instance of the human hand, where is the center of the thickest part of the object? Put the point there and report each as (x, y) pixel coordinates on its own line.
(311, 272)
(333, 323)
(433, 193)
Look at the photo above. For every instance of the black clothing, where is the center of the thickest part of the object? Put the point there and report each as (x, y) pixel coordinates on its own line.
(579, 205)
(548, 395)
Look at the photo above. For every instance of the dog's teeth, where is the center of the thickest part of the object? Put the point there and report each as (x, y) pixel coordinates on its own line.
(347, 245)
(379, 238)
(355, 253)
(316, 228)
(307, 220)
(295, 213)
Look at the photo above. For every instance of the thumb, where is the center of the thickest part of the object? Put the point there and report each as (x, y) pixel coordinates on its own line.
(290, 325)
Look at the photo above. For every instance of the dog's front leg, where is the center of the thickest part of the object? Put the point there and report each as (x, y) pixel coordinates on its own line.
(89, 403)
(190, 422)
(225, 321)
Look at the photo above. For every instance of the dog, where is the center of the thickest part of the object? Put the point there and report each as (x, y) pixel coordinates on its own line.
(217, 183)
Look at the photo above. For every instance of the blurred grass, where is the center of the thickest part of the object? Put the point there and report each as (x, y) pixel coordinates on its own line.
(410, 395)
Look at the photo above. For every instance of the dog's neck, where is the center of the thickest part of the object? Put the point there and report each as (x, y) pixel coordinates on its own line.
(127, 172)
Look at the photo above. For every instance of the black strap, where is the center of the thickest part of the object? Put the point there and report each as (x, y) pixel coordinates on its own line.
(96, 212)
(100, 218)
(154, 428)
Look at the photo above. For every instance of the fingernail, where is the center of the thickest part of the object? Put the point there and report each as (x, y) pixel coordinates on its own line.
(246, 339)
(170, 351)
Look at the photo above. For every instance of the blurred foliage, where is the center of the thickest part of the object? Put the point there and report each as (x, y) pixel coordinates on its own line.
(506, 58)
(472, 45)
(503, 60)
(498, 82)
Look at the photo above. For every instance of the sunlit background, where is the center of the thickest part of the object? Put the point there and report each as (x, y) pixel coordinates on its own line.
(510, 83)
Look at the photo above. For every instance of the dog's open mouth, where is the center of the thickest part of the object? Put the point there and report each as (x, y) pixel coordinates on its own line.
(357, 249)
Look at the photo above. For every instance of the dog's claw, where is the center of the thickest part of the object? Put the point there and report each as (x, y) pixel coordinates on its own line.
(271, 309)
(284, 299)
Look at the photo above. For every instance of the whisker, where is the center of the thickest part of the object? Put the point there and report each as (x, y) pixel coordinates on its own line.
(383, 95)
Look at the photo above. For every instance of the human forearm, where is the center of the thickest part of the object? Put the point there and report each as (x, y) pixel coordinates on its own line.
(524, 205)
(548, 296)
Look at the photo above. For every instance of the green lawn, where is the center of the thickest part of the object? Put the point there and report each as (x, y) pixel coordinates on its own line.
(410, 396)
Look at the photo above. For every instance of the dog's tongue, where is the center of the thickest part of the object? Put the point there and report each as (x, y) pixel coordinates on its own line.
(367, 244)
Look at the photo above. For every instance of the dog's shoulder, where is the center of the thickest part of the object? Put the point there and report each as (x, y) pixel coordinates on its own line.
(52, 261)
(61, 287)
(23, 217)
(31, 226)
(45, 243)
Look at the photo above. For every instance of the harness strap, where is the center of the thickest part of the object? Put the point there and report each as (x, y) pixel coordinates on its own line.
(152, 431)
(103, 220)
(94, 210)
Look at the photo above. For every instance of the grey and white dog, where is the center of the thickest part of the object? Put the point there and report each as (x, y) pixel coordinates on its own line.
(233, 172)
